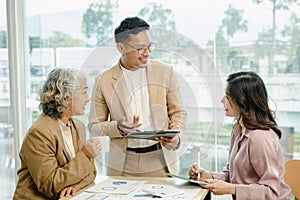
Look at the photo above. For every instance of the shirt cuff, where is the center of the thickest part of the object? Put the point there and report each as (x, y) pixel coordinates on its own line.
(121, 132)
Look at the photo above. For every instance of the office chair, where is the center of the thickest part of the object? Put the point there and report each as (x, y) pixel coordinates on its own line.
(292, 176)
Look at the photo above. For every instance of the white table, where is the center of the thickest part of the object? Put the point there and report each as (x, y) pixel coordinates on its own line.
(192, 190)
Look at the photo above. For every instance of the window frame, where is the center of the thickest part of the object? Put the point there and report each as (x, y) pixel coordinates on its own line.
(17, 74)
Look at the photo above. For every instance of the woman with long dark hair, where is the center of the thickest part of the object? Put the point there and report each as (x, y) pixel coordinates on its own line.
(256, 168)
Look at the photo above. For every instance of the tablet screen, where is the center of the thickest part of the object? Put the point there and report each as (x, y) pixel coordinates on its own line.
(187, 179)
(153, 134)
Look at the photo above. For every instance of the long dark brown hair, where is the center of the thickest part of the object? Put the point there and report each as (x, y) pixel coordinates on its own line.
(247, 91)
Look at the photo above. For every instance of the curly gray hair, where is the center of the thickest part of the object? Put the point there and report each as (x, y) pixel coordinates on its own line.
(60, 85)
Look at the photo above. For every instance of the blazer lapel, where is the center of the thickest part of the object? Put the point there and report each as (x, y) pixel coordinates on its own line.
(152, 87)
(76, 140)
(119, 92)
(78, 135)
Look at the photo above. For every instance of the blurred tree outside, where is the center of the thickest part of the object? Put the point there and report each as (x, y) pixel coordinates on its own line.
(275, 6)
(263, 43)
(60, 39)
(158, 16)
(3, 39)
(170, 43)
(291, 35)
(163, 26)
(34, 42)
(231, 24)
(98, 20)
(221, 49)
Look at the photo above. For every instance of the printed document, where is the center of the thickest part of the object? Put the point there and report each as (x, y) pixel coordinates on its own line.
(114, 186)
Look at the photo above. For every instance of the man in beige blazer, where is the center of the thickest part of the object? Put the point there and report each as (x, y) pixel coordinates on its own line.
(141, 94)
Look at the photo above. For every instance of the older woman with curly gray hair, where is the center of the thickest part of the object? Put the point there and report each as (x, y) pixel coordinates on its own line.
(56, 158)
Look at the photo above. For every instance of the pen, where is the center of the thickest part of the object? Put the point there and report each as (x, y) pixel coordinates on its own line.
(199, 165)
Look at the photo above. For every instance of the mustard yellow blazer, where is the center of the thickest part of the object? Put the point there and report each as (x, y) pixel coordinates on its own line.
(46, 166)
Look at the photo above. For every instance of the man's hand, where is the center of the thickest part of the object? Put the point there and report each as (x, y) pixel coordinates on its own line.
(68, 191)
(170, 143)
(127, 127)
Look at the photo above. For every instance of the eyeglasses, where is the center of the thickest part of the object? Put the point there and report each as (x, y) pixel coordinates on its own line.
(142, 50)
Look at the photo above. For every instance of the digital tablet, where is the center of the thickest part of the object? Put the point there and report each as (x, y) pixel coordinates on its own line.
(187, 179)
(151, 135)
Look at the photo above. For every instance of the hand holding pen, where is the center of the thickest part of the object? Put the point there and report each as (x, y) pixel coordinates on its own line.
(198, 173)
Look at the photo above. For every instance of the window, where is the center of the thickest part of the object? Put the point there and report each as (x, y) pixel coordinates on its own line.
(7, 169)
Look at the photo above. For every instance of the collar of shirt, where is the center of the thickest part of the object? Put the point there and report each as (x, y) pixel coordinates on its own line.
(67, 136)
(64, 125)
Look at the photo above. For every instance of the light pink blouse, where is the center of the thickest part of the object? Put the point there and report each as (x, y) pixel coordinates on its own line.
(256, 165)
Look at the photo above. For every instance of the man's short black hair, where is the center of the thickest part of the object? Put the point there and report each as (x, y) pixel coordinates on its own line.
(130, 25)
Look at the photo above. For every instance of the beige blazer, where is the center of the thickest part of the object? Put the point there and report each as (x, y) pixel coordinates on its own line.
(108, 105)
(46, 166)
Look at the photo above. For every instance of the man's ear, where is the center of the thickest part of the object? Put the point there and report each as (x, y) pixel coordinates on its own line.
(121, 48)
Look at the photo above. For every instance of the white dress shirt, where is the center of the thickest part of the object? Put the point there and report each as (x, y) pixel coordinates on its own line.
(138, 103)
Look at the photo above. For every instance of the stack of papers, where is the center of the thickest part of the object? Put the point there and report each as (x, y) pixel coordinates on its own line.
(116, 189)
(162, 191)
(114, 186)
